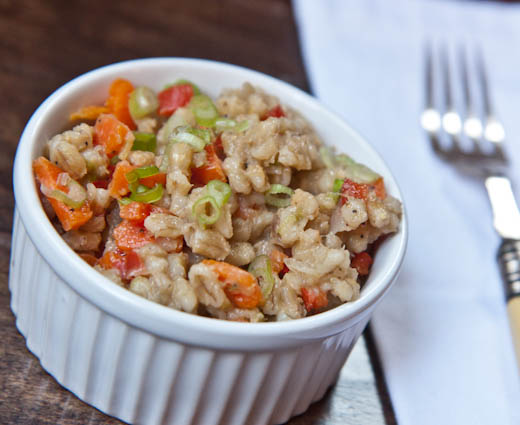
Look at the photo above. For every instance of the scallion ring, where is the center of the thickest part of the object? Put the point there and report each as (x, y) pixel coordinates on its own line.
(75, 198)
(195, 137)
(63, 197)
(278, 196)
(220, 191)
(142, 102)
(227, 124)
(148, 196)
(326, 157)
(206, 210)
(144, 141)
(261, 268)
(204, 110)
(336, 188)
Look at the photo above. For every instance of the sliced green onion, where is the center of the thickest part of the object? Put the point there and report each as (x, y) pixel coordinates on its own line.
(206, 210)
(204, 110)
(142, 102)
(143, 194)
(261, 268)
(227, 124)
(357, 172)
(147, 171)
(142, 189)
(326, 157)
(181, 117)
(63, 197)
(278, 196)
(114, 160)
(336, 188)
(338, 183)
(125, 201)
(139, 173)
(345, 160)
(220, 191)
(144, 141)
(133, 180)
(75, 198)
(197, 138)
(180, 81)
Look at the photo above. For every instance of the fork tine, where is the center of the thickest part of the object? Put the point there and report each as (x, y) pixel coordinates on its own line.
(495, 136)
(451, 122)
(430, 118)
(472, 124)
(428, 65)
(483, 83)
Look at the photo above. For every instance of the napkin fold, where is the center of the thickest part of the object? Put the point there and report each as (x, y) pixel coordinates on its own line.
(442, 331)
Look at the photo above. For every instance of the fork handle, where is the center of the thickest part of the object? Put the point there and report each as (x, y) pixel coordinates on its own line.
(509, 260)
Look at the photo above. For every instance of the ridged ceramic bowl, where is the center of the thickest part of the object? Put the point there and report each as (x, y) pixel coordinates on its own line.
(148, 364)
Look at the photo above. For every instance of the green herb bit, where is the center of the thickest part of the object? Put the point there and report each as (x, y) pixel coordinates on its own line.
(278, 196)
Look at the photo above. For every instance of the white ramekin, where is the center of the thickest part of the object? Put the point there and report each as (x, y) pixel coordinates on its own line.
(148, 364)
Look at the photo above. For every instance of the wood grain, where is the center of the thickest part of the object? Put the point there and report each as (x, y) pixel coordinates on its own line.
(45, 44)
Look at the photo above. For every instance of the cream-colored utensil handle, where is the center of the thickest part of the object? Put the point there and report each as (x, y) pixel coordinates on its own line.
(513, 310)
(509, 259)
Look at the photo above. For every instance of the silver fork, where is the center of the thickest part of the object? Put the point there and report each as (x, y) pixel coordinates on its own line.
(484, 158)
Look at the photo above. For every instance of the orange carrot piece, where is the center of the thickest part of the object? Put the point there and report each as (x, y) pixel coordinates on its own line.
(117, 101)
(88, 113)
(151, 181)
(135, 211)
(70, 218)
(118, 186)
(111, 133)
(240, 286)
(128, 263)
(362, 262)
(47, 173)
(314, 299)
(277, 258)
(379, 187)
(211, 170)
(89, 258)
(128, 236)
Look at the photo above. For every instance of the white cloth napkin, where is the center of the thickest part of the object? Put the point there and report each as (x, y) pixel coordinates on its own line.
(442, 331)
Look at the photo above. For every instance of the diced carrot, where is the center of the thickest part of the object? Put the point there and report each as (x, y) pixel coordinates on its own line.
(128, 236)
(314, 299)
(117, 101)
(111, 133)
(89, 258)
(379, 187)
(240, 286)
(356, 190)
(118, 186)
(277, 258)
(128, 263)
(151, 181)
(47, 174)
(135, 211)
(211, 170)
(275, 112)
(88, 113)
(362, 262)
(174, 97)
(69, 217)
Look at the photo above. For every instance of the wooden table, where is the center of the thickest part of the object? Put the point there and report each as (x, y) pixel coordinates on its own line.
(45, 44)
